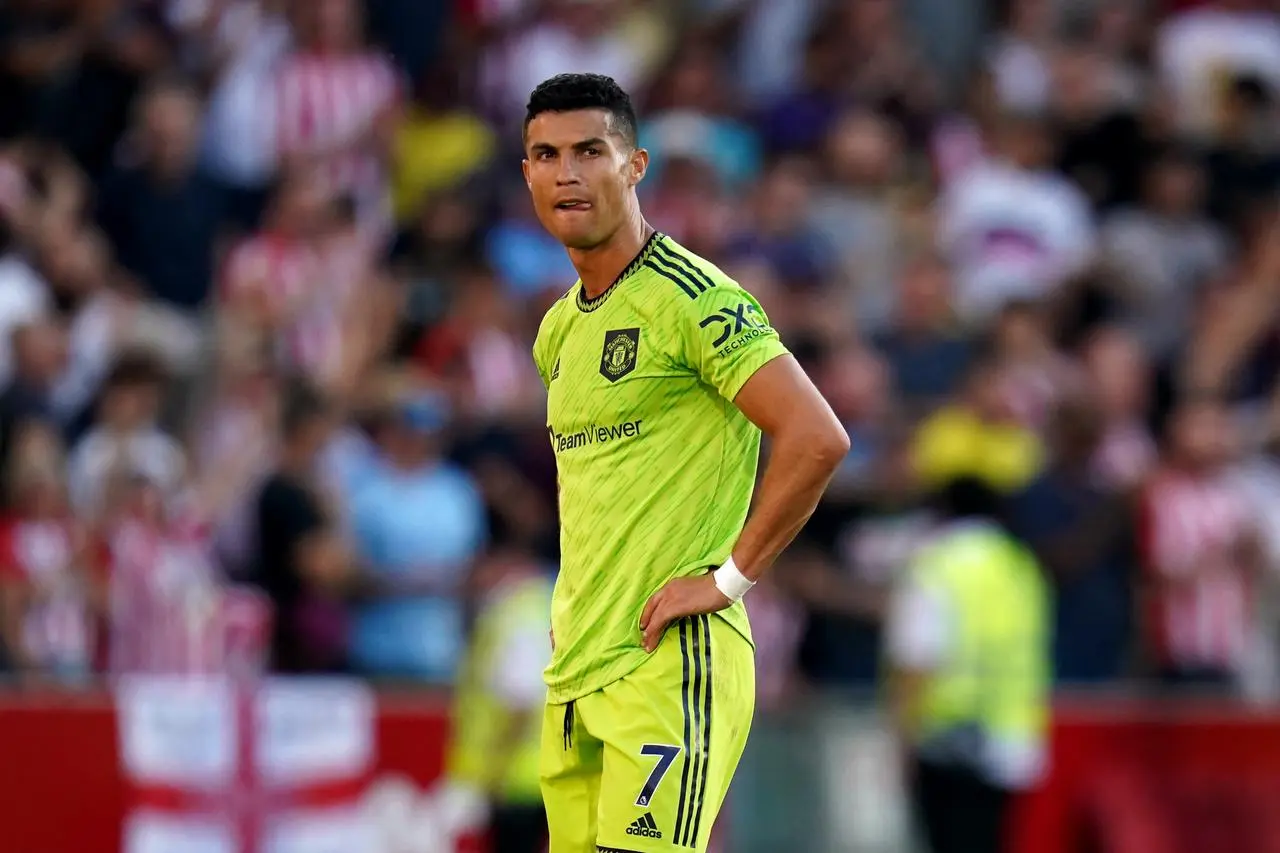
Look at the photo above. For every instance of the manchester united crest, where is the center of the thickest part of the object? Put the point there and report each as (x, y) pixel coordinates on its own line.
(619, 356)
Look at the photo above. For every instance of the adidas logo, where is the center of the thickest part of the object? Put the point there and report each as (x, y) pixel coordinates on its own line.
(555, 371)
(644, 826)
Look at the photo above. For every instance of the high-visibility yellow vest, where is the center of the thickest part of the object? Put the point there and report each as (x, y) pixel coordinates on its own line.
(484, 752)
(993, 688)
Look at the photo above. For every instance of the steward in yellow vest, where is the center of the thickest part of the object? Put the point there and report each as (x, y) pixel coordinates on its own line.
(497, 720)
(968, 658)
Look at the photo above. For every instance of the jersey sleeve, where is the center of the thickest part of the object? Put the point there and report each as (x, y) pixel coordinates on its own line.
(726, 337)
(539, 357)
(545, 343)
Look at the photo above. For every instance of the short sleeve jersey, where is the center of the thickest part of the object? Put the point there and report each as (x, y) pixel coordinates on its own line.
(656, 465)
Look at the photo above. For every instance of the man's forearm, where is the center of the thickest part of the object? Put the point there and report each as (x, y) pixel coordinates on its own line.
(798, 471)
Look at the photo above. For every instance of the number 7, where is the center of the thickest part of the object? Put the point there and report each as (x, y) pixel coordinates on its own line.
(666, 755)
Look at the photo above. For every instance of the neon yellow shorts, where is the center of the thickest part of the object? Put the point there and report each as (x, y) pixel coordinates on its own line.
(643, 765)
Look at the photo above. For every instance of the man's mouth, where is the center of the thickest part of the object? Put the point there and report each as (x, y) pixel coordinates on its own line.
(573, 204)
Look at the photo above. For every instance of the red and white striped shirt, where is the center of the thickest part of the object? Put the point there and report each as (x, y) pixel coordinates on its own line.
(303, 290)
(1190, 530)
(171, 612)
(57, 627)
(328, 104)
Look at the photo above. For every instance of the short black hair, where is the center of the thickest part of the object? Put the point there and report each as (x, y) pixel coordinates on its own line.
(136, 367)
(568, 92)
(303, 405)
(966, 497)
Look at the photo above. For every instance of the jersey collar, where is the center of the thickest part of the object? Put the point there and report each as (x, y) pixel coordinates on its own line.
(585, 304)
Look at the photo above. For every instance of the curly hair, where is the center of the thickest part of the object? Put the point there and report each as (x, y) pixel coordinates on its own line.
(568, 92)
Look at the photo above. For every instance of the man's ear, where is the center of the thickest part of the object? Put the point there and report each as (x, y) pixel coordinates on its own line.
(524, 167)
(639, 165)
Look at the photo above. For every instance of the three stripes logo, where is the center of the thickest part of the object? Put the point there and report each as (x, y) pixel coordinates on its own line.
(555, 371)
(644, 826)
(678, 269)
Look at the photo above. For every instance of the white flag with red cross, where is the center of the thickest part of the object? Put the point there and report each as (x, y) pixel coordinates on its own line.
(220, 766)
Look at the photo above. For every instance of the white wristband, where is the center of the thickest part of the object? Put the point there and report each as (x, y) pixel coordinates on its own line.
(733, 583)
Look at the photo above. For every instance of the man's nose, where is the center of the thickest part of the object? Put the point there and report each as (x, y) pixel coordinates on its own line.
(568, 172)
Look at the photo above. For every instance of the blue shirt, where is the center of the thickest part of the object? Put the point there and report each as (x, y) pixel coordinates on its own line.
(1093, 608)
(428, 524)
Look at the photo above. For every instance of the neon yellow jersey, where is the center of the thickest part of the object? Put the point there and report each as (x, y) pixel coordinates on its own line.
(656, 465)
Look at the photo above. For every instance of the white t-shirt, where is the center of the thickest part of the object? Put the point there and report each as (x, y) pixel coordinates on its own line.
(1012, 234)
(239, 139)
(1197, 50)
(24, 298)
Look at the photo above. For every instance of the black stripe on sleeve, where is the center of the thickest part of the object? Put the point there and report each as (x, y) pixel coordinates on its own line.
(688, 727)
(705, 622)
(688, 290)
(666, 252)
(679, 272)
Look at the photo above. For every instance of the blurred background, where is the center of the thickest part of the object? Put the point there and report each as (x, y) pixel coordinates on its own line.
(268, 284)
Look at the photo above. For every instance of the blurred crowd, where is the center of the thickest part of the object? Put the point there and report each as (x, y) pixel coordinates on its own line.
(269, 279)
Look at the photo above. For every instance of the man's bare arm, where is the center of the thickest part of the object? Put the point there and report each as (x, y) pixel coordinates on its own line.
(808, 444)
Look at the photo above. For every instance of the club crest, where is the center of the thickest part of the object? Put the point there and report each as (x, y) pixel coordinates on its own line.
(619, 355)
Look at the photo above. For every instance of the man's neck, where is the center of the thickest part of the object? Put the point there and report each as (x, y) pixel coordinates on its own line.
(600, 267)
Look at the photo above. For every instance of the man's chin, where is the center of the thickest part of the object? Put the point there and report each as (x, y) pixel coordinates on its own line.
(580, 241)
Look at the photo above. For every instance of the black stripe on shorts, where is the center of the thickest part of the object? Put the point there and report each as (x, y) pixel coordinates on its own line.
(688, 726)
(695, 650)
(706, 724)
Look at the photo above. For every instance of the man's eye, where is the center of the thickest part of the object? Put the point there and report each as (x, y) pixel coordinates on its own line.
(592, 152)
(546, 155)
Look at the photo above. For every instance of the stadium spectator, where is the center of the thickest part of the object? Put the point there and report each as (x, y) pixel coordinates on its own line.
(337, 107)
(1200, 554)
(24, 297)
(1035, 373)
(419, 525)
(162, 212)
(978, 435)
(238, 44)
(48, 589)
(27, 401)
(303, 561)
(441, 142)
(856, 212)
(1164, 251)
(126, 436)
(1078, 528)
(1120, 375)
(928, 354)
(163, 586)
(1012, 228)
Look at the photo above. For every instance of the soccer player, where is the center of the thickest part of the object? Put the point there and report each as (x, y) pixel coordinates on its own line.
(661, 373)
